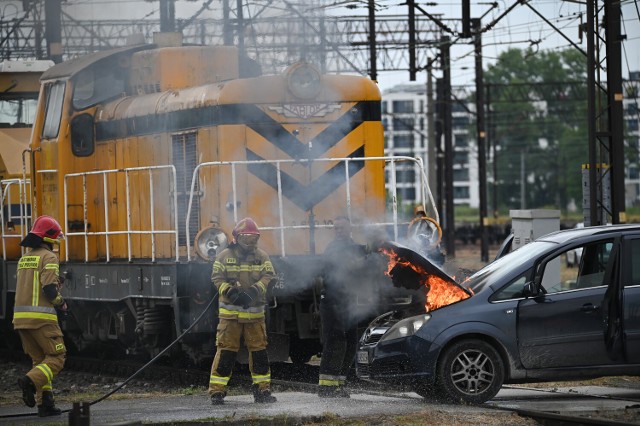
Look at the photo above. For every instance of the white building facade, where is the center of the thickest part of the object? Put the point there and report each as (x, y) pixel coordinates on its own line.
(404, 116)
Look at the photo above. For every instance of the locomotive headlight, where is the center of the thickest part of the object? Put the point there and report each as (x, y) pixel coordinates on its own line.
(303, 80)
(210, 242)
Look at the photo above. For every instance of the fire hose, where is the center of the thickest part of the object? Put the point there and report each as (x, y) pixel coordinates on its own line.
(140, 370)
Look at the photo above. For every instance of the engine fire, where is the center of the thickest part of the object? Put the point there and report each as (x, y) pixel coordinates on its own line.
(410, 270)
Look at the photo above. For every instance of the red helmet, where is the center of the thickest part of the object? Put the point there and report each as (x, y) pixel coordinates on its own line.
(245, 226)
(48, 229)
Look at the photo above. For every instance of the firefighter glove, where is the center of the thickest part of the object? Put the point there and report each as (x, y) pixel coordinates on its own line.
(244, 299)
(232, 294)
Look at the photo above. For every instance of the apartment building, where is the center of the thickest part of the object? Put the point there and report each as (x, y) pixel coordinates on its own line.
(404, 116)
(631, 108)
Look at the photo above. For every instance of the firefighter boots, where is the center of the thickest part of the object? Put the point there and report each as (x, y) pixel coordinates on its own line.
(343, 392)
(28, 391)
(48, 407)
(262, 396)
(333, 392)
(217, 398)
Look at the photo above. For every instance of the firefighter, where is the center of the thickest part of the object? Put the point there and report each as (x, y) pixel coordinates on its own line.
(241, 274)
(34, 318)
(343, 261)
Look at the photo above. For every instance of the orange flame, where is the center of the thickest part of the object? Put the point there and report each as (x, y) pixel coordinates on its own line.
(438, 292)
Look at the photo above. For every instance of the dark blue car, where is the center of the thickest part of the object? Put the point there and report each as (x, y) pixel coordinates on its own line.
(531, 318)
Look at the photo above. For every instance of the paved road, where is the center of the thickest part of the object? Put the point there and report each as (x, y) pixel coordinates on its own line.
(306, 405)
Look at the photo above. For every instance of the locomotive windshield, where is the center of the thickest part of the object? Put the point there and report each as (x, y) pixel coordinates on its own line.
(55, 98)
(18, 110)
(96, 84)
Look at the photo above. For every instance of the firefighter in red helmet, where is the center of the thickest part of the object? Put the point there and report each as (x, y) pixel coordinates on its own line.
(34, 315)
(241, 273)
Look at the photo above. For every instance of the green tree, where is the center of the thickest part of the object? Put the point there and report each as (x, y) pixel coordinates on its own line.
(538, 115)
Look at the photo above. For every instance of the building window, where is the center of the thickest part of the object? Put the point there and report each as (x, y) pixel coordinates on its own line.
(384, 107)
(403, 124)
(403, 141)
(632, 125)
(458, 107)
(461, 175)
(460, 192)
(460, 121)
(460, 157)
(405, 176)
(407, 194)
(461, 141)
(633, 173)
(402, 107)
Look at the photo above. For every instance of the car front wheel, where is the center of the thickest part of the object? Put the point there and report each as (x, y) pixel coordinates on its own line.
(470, 371)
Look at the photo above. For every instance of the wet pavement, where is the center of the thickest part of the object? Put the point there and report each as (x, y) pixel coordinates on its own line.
(299, 405)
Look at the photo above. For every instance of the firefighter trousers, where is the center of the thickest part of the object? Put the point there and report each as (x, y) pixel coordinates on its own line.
(339, 343)
(45, 347)
(228, 338)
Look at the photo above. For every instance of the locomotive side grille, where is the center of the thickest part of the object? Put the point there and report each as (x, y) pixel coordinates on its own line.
(184, 160)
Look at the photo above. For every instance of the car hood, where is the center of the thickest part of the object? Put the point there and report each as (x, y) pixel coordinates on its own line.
(410, 270)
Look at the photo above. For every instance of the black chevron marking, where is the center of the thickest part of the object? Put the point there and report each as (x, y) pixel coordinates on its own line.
(275, 133)
(305, 196)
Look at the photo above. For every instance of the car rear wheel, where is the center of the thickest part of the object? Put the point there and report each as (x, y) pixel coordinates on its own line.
(470, 371)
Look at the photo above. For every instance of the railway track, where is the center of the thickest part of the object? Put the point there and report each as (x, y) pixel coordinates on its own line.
(287, 377)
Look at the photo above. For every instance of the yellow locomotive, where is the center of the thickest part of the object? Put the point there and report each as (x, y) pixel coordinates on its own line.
(149, 154)
(19, 87)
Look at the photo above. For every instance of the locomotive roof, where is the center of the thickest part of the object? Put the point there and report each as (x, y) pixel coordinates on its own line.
(71, 67)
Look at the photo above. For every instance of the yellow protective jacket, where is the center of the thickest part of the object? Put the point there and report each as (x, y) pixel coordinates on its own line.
(233, 267)
(38, 268)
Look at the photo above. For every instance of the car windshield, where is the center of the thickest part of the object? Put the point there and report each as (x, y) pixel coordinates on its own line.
(504, 266)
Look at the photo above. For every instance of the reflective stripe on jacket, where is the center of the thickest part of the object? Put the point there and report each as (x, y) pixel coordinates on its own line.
(37, 268)
(231, 268)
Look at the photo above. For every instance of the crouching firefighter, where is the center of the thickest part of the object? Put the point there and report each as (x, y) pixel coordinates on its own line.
(34, 318)
(241, 274)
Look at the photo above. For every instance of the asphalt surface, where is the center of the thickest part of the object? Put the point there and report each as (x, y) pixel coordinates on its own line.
(307, 406)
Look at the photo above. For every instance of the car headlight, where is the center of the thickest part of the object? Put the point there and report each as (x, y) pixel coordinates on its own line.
(406, 327)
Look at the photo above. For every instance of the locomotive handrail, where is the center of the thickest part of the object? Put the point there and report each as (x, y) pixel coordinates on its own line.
(128, 232)
(23, 216)
(425, 192)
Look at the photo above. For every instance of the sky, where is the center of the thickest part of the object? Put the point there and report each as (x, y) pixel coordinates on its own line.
(520, 28)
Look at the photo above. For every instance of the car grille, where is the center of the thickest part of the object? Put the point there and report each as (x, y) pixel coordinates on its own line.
(363, 370)
(373, 335)
(388, 368)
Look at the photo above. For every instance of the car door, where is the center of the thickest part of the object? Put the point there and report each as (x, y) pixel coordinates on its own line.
(563, 326)
(631, 299)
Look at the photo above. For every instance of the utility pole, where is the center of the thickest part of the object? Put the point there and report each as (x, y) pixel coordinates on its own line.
(240, 27)
(412, 40)
(604, 119)
(481, 141)
(431, 133)
(227, 28)
(53, 30)
(373, 54)
(615, 95)
(449, 230)
(439, 127)
(167, 16)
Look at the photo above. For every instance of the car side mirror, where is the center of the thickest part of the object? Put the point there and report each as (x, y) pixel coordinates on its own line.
(530, 289)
